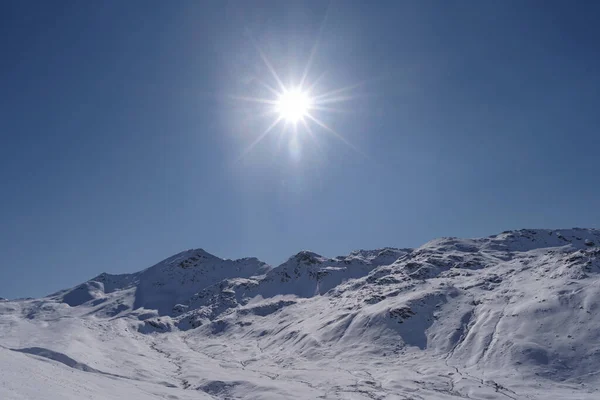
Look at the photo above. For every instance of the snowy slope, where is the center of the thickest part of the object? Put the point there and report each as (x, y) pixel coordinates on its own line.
(515, 315)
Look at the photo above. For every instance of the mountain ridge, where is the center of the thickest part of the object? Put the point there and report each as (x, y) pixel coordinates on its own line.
(560, 236)
(509, 315)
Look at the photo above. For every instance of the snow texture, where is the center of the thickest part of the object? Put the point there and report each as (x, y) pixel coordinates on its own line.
(511, 316)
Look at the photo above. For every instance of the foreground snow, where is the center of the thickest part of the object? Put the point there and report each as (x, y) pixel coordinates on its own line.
(510, 316)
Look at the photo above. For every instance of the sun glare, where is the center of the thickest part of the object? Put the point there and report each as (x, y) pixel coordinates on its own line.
(299, 106)
(293, 105)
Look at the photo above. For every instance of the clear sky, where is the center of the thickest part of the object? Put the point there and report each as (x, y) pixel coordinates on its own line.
(125, 135)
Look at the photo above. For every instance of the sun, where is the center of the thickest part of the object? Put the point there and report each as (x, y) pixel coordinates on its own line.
(298, 107)
(293, 105)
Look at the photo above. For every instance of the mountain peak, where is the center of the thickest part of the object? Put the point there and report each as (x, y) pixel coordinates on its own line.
(521, 303)
(307, 257)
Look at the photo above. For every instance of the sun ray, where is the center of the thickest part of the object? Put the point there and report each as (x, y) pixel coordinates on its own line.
(312, 135)
(335, 133)
(295, 131)
(339, 91)
(265, 59)
(308, 64)
(268, 87)
(280, 137)
(269, 66)
(338, 99)
(252, 117)
(327, 96)
(310, 88)
(254, 99)
(258, 139)
(329, 109)
(313, 51)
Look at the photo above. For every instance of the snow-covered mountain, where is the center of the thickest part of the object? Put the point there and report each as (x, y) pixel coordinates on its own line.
(515, 315)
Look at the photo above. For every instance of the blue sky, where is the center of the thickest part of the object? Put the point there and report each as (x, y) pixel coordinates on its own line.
(121, 140)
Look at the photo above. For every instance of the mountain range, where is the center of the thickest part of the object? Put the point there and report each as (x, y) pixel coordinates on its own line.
(514, 315)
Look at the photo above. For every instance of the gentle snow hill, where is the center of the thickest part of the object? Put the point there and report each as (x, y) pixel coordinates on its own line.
(514, 315)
